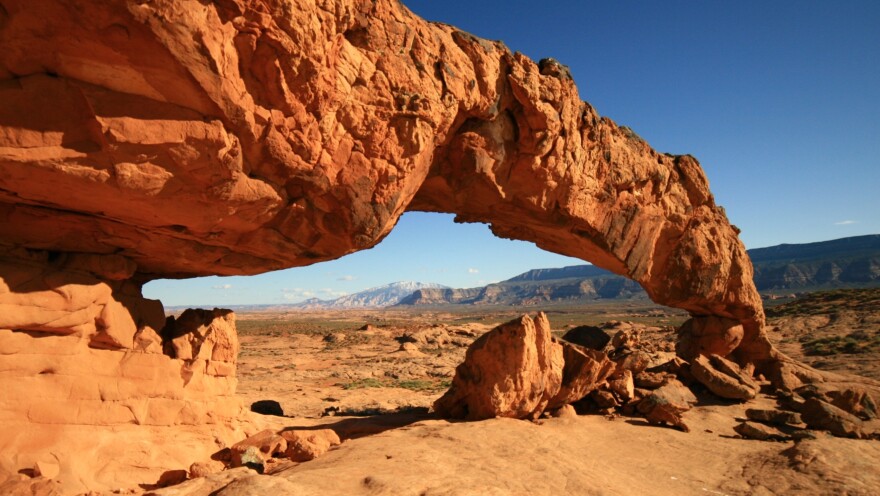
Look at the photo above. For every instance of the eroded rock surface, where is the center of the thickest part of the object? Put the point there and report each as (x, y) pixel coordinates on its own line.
(84, 358)
(240, 137)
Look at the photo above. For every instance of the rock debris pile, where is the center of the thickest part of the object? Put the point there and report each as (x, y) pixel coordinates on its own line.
(520, 370)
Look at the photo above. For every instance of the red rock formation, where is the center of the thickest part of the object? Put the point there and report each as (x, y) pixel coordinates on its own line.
(82, 369)
(177, 138)
(239, 137)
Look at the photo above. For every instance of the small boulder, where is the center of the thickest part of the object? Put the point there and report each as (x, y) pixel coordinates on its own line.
(853, 399)
(621, 384)
(818, 414)
(761, 432)
(709, 335)
(652, 380)
(604, 399)
(626, 338)
(589, 337)
(776, 417)
(305, 445)
(723, 378)
(267, 443)
(565, 411)
(636, 361)
(584, 370)
(666, 405)
(204, 469)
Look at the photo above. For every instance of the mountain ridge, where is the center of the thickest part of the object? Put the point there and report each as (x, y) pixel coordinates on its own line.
(838, 263)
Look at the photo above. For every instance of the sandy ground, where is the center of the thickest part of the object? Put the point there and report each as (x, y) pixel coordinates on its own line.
(324, 378)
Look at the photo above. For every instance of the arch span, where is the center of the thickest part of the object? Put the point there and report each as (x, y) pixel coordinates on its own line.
(192, 138)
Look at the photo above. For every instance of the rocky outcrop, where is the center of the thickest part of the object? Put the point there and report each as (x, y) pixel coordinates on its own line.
(84, 357)
(239, 137)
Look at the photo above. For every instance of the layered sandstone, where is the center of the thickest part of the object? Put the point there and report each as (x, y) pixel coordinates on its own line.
(87, 365)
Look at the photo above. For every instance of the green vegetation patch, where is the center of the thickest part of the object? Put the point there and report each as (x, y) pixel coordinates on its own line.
(852, 344)
(412, 384)
(825, 302)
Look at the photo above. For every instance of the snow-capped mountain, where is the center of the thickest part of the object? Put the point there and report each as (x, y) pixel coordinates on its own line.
(382, 296)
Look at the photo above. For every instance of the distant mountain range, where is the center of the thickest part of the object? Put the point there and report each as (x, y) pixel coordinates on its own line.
(382, 296)
(841, 263)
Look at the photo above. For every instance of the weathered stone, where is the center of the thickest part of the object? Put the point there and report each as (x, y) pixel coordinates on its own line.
(818, 414)
(305, 445)
(777, 417)
(666, 404)
(720, 382)
(853, 399)
(761, 432)
(584, 370)
(709, 335)
(267, 442)
(621, 384)
(635, 361)
(652, 380)
(512, 371)
(604, 399)
(204, 469)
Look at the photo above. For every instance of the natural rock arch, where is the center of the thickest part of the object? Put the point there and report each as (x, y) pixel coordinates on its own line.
(239, 137)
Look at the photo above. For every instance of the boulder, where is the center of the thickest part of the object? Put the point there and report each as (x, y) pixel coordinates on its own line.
(267, 442)
(591, 337)
(723, 378)
(820, 415)
(304, 445)
(621, 384)
(761, 432)
(776, 417)
(709, 335)
(584, 370)
(514, 370)
(666, 405)
(854, 399)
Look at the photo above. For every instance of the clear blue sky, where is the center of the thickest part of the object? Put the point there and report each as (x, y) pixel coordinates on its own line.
(780, 102)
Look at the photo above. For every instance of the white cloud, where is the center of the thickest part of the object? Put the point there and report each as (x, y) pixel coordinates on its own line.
(222, 286)
(473, 271)
(846, 222)
(295, 294)
(347, 278)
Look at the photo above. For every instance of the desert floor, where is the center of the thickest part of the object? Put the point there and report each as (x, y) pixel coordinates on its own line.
(351, 371)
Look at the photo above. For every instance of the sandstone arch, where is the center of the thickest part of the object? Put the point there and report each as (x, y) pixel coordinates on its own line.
(239, 137)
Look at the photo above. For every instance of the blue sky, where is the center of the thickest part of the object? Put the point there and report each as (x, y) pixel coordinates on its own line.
(780, 102)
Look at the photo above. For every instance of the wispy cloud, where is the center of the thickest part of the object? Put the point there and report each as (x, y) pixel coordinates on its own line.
(294, 294)
(333, 293)
(347, 278)
(473, 271)
(846, 222)
(222, 286)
